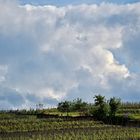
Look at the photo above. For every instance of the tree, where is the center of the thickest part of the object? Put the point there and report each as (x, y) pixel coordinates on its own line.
(101, 107)
(114, 104)
(99, 100)
(64, 106)
(79, 105)
(39, 106)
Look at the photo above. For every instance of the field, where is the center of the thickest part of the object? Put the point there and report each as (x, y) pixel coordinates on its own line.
(51, 124)
(131, 110)
(29, 127)
(86, 133)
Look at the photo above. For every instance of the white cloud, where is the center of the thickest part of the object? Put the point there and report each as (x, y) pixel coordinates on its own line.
(54, 53)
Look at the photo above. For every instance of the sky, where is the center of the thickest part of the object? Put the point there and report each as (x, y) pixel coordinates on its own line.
(57, 50)
(73, 2)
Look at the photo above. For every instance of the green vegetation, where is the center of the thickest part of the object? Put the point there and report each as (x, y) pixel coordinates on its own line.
(100, 110)
(97, 133)
(114, 104)
(63, 128)
(135, 116)
(103, 120)
(75, 106)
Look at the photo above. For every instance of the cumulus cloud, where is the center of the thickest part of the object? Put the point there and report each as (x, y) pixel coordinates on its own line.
(50, 53)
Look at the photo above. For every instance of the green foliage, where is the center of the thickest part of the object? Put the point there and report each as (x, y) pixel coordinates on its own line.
(72, 106)
(79, 105)
(114, 104)
(56, 128)
(107, 133)
(99, 100)
(64, 106)
(21, 126)
(101, 109)
(135, 116)
(101, 112)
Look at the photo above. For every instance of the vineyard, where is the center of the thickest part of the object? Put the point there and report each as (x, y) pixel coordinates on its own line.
(32, 128)
(55, 124)
(85, 133)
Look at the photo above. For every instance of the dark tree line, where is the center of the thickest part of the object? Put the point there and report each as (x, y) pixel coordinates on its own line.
(76, 105)
(100, 109)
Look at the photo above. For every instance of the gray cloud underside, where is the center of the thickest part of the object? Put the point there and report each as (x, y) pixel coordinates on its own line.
(48, 53)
